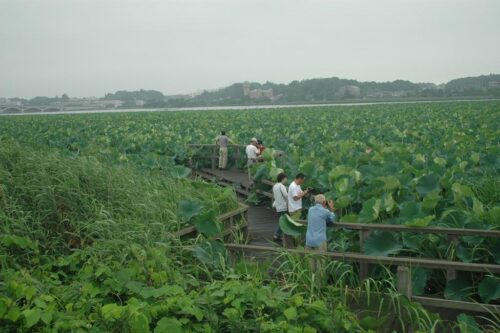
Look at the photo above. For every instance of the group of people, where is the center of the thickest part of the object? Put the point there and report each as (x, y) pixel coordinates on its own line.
(290, 202)
(253, 150)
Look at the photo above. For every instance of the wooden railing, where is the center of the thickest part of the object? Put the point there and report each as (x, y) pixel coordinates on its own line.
(365, 230)
(214, 153)
(404, 266)
(229, 221)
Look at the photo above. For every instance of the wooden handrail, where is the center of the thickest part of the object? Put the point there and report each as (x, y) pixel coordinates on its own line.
(242, 209)
(403, 228)
(212, 145)
(364, 258)
(404, 277)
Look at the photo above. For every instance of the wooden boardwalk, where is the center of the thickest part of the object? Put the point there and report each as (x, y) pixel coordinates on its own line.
(262, 220)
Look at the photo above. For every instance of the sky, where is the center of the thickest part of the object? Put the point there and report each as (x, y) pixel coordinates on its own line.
(91, 47)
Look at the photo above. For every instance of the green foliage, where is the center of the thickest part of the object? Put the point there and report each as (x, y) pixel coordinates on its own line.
(382, 243)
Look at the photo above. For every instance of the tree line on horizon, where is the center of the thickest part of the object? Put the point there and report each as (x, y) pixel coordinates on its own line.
(322, 90)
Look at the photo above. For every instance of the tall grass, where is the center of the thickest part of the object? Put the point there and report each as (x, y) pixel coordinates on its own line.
(65, 203)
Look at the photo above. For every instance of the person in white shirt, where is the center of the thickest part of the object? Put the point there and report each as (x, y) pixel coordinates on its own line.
(295, 195)
(252, 151)
(280, 202)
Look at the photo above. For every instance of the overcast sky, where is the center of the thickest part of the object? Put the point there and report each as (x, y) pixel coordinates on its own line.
(90, 47)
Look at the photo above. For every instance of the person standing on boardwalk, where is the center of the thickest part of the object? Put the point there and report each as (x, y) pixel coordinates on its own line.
(223, 141)
(252, 151)
(280, 202)
(295, 195)
(318, 217)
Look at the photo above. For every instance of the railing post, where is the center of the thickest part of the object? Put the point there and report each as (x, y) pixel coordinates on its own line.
(404, 281)
(190, 161)
(364, 268)
(213, 158)
(451, 274)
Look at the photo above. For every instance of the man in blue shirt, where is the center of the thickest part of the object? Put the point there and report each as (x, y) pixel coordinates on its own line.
(318, 217)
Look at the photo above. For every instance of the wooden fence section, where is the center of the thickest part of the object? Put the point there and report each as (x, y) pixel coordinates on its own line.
(365, 230)
(214, 153)
(228, 219)
(404, 277)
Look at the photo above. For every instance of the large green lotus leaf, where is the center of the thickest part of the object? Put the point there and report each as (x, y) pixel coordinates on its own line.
(420, 222)
(343, 201)
(349, 218)
(464, 253)
(413, 241)
(179, 171)
(454, 218)
(419, 280)
(207, 224)
(374, 189)
(410, 210)
(268, 155)
(338, 171)
(309, 169)
(467, 324)
(261, 172)
(489, 288)
(212, 253)
(370, 210)
(388, 203)
(290, 227)
(458, 289)
(382, 243)
(427, 184)
(391, 183)
(189, 209)
(431, 200)
(273, 174)
(342, 185)
(494, 249)
(168, 325)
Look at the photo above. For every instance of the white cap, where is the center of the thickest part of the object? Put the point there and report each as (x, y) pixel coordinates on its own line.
(253, 140)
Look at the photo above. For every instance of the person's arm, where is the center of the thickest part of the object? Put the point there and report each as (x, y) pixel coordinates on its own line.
(283, 192)
(217, 140)
(298, 195)
(331, 215)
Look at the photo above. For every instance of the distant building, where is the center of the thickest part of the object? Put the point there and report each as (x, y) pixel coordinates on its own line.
(257, 93)
(349, 91)
(139, 102)
(494, 84)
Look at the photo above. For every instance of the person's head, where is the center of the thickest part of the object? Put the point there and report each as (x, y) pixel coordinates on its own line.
(253, 141)
(222, 132)
(320, 199)
(260, 143)
(282, 178)
(299, 179)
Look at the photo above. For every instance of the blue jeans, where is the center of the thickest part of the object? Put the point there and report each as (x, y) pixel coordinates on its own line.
(278, 233)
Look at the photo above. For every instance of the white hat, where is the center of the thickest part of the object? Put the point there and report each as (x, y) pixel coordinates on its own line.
(253, 140)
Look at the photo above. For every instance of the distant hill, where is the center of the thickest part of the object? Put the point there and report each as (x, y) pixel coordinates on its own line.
(327, 90)
(322, 90)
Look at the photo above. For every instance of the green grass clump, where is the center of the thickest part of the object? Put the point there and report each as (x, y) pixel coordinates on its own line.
(64, 203)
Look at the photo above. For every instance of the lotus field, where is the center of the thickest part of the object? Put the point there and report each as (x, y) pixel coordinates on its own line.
(87, 203)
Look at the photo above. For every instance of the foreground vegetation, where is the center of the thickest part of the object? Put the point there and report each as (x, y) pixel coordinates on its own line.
(88, 202)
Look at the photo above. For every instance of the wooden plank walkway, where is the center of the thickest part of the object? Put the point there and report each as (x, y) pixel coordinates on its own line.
(236, 177)
(262, 220)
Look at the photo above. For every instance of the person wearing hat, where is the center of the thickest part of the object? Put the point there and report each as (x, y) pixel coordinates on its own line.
(252, 151)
